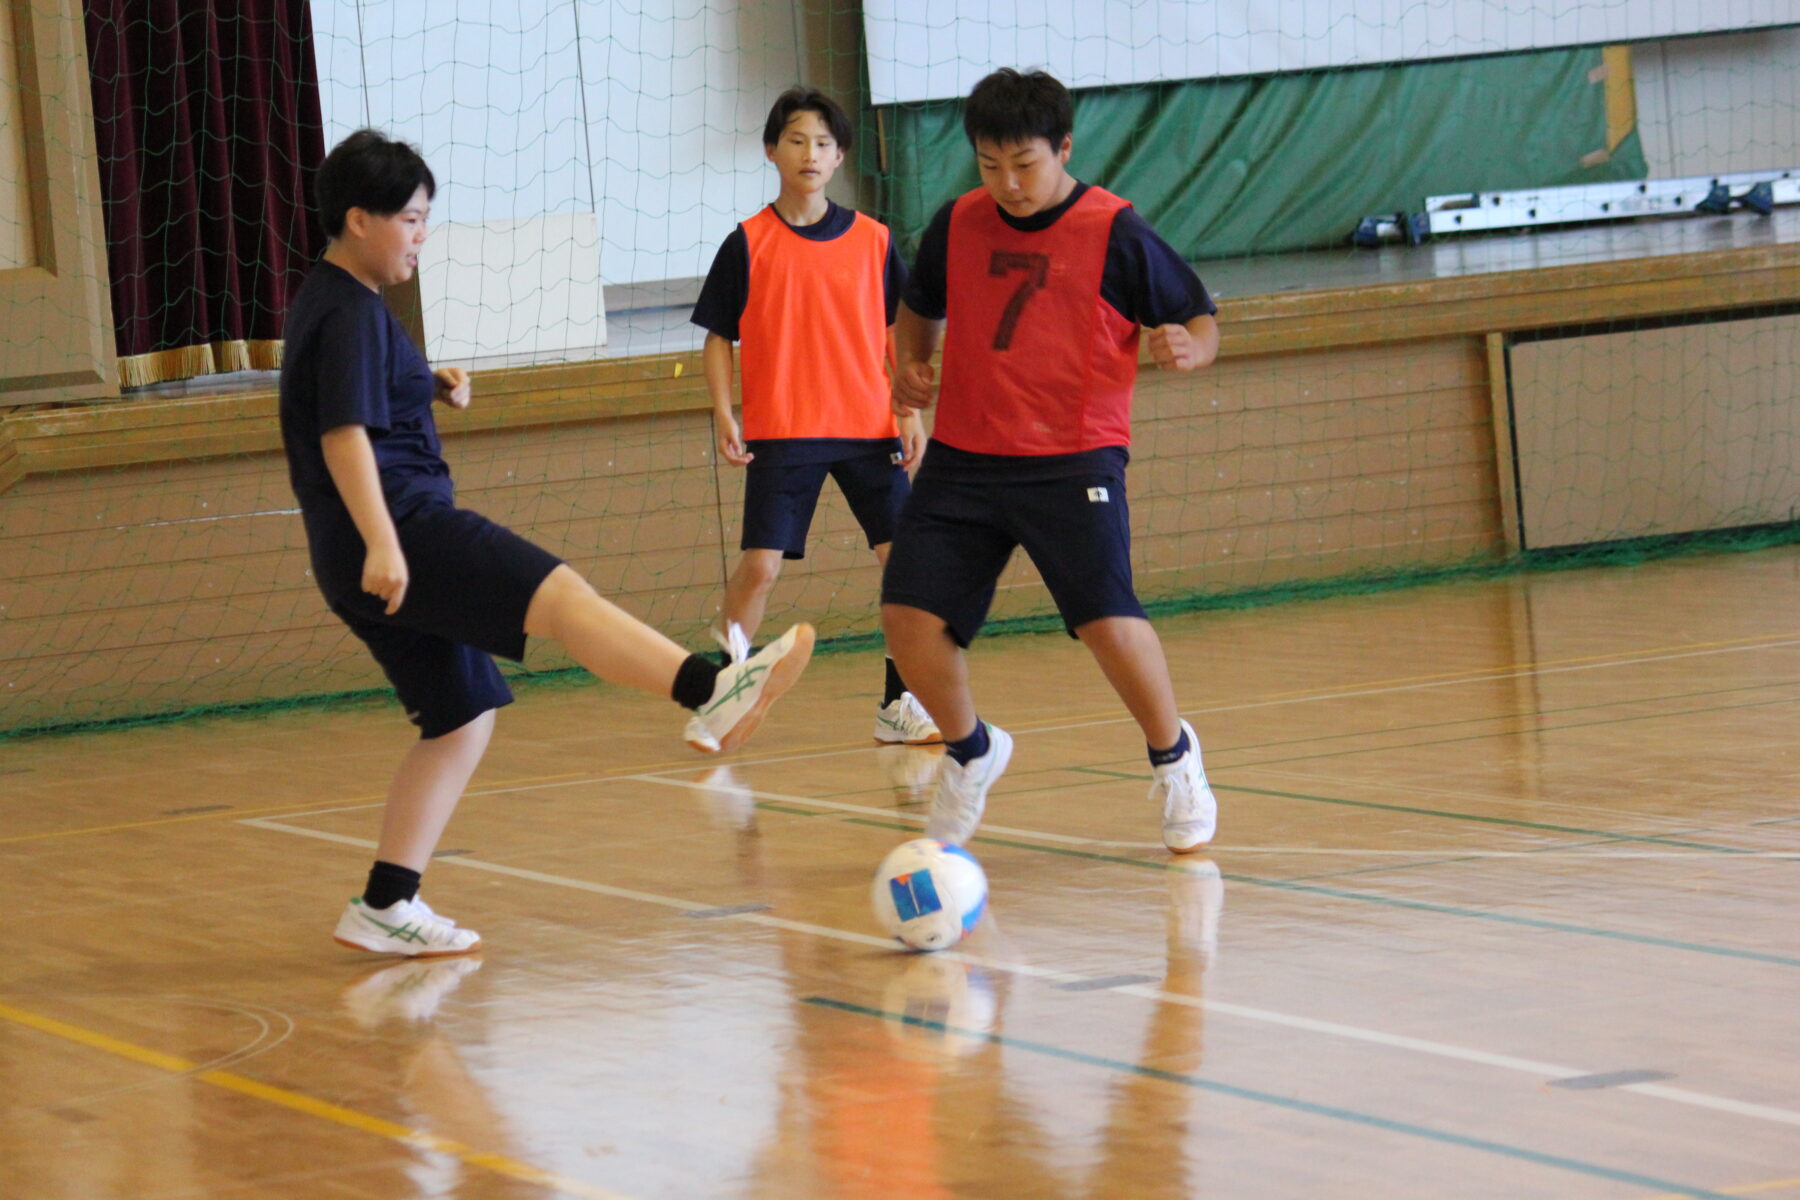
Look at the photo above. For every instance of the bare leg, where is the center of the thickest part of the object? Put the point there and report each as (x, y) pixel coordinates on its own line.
(933, 666)
(426, 789)
(747, 591)
(1131, 657)
(604, 638)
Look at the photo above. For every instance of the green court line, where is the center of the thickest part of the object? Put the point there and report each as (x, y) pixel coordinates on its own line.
(1506, 716)
(1450, 910)
(1513, 733)
(1309, 1107)
(1437, 862)
(1511, 822)
(1600, 834)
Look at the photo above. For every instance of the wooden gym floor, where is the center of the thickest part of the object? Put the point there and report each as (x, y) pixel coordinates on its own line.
(1502, 906)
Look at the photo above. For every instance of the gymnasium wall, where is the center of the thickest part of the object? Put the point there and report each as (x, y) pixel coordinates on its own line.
(166, 585)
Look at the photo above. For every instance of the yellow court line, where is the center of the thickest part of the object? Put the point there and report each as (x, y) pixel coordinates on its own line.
(311, 1106)
(232, 813)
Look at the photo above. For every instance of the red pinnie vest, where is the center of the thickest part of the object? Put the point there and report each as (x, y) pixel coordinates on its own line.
(1035, 362)
(813, 336)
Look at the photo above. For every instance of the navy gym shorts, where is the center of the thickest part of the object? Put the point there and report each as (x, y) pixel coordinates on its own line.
(779, 498)
(470, 583)
(957, 532)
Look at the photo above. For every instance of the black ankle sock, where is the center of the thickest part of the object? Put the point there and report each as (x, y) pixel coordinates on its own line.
(1162, 758)
(389, 882)
(895, 688)
(694, 681)
(973, 746)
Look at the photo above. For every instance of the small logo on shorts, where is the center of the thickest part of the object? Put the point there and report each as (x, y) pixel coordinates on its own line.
(897, 458)
(1097, 496)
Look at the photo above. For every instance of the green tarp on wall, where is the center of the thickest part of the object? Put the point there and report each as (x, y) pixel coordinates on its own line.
(1255, 166)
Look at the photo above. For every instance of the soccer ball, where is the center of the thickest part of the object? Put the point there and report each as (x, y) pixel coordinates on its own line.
(928, 894)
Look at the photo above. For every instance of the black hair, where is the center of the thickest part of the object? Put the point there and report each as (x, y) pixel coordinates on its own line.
(805, 99)
(1007, 108)
(370, 171)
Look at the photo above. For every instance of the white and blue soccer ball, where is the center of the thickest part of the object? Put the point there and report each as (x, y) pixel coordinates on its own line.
(929, 894)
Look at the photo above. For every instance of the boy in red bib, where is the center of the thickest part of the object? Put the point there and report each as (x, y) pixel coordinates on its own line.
(1044, 283)
(809, 289)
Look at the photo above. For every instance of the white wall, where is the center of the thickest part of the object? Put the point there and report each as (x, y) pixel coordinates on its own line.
(936, 49)
(646, 113)
(1715, 104)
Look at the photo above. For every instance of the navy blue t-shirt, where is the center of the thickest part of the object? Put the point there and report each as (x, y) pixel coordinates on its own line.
(347, 361)
(727, 287)
(1143, 279)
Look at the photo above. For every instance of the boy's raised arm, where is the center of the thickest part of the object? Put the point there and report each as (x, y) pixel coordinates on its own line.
(351, 460)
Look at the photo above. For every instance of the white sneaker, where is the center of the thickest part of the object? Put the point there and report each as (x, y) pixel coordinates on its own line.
(905, 720)
(1190, 814)
(961, 793)
(745, 690)
(406, 927)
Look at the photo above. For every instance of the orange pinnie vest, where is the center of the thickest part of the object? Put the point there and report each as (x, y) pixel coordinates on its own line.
(1035, 362)
(813, 336)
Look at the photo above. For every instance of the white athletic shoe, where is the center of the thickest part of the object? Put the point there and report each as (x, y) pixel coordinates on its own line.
(1190, 814)
(905, 720)
(409, 991)
(406, 927)
(745, 690)
(961, 794)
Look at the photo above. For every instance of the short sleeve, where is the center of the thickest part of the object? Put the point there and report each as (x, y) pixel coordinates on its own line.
(350, 371)
(893, 278)
(925, 289)
(1146, 280)
(726, 291)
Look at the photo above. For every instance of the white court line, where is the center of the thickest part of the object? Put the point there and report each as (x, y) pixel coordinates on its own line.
(1546, 1071)
(1549, 853)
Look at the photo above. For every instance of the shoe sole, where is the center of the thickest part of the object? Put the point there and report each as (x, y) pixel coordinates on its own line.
(1187, 849)
(403, 954)
(936, 739)
(781, 678)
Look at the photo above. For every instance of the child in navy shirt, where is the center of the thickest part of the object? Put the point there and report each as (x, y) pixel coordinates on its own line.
(433, 590)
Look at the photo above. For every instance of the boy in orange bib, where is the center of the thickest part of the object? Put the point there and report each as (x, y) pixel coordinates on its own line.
(808, 289)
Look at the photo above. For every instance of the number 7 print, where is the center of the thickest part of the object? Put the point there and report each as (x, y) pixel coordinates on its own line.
(1037, 270)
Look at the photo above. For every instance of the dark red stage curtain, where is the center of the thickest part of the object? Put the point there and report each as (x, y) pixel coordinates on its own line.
(207, 126)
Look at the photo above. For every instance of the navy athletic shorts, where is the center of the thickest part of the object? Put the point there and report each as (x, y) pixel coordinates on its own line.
(779, 499)
(957, 533)
(470, 583)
